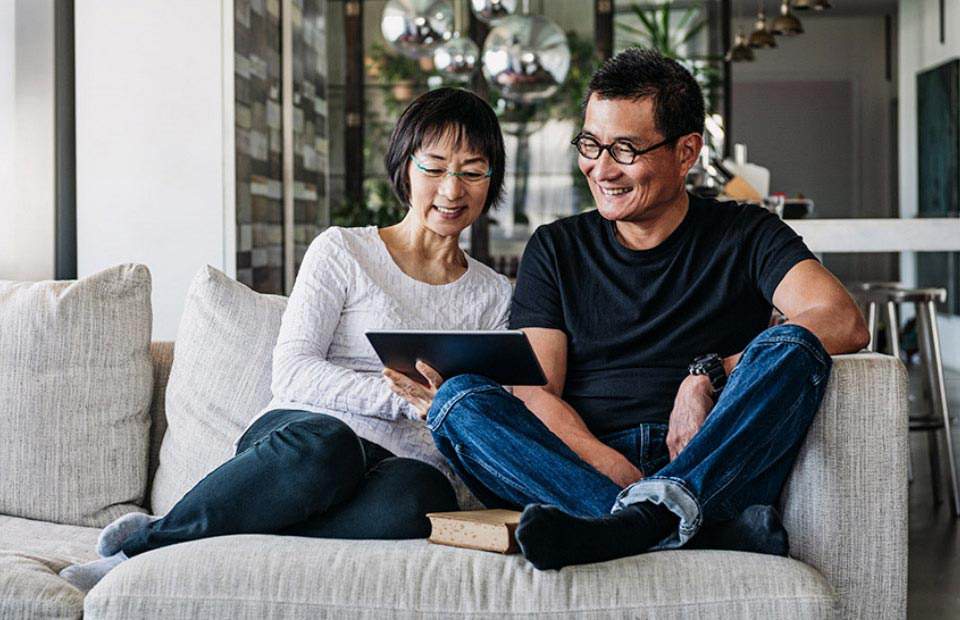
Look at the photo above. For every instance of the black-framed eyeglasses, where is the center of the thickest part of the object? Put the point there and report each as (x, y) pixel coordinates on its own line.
(621, 151)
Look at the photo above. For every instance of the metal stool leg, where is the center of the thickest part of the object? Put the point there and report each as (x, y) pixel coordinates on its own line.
(934, 367)
(872, 325)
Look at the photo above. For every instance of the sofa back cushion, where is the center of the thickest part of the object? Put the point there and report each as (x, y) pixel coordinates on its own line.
(219, 380)
(75, 379)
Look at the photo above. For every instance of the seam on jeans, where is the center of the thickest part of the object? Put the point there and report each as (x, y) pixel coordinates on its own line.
(456, 398)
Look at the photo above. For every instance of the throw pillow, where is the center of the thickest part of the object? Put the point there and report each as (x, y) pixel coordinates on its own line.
(75, 381)
(220, 379)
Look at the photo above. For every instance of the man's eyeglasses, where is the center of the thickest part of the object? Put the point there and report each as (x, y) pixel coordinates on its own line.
(621, 151)
(468, 176)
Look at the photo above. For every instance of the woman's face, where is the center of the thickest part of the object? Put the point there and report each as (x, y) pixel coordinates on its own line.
(443, 203)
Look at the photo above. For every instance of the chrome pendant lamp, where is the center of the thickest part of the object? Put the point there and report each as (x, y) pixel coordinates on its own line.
(787, 24)
(761, 36)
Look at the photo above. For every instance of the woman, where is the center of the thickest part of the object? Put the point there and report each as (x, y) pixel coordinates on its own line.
(336, 454)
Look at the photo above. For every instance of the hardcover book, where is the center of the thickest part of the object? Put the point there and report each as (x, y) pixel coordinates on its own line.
(486, 530)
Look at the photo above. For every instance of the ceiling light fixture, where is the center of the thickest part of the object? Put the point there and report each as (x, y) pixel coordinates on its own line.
(761, 36)
(787, 24)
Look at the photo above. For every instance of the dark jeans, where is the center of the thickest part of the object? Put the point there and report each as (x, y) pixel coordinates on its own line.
(305, 474)
(740, 457)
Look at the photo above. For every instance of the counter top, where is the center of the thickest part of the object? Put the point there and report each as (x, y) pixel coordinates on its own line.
(880, 235)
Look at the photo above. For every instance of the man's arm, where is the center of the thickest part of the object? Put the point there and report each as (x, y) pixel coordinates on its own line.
(809, 296)
(812, 297)
(550, 346)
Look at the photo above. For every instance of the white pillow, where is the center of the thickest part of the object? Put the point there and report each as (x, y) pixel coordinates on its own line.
(75, 381)
(220, 379)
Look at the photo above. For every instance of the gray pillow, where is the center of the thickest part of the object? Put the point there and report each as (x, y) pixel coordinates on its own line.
(220, 379)
(75, 380)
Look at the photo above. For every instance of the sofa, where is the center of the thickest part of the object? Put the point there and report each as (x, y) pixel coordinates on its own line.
(69, 464)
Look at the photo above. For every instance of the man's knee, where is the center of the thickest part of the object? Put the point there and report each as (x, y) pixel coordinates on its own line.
(795, 339)
(464, 395)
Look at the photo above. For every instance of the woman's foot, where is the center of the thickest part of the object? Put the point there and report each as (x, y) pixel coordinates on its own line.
(112, 537)
(85, 576)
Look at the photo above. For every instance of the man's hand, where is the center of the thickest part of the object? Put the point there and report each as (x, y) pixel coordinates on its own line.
(419, 395)
(621, 471)
(690, 408)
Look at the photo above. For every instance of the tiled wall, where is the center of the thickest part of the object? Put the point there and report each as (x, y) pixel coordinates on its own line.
(259, 137)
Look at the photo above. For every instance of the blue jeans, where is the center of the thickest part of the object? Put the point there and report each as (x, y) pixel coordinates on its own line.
(740, 457)
(299, 473)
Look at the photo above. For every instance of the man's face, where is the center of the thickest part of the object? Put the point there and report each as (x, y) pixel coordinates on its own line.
(654, 181)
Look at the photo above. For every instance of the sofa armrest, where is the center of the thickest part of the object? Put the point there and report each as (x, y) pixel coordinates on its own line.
(845, 504)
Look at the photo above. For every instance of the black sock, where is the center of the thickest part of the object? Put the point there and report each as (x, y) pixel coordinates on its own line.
(550, 538)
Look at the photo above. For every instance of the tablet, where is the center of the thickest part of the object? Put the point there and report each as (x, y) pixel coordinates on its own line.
(504, 356)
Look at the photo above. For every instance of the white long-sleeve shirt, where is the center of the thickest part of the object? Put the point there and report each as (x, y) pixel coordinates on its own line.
(348, 284)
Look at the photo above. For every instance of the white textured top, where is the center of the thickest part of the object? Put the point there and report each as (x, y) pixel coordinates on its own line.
(348, 284)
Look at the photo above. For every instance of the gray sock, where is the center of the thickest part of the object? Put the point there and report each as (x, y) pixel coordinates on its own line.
(85, 576)
(112, 536)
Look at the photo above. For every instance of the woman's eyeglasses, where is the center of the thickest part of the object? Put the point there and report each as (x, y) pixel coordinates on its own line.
(468, 176)
(621, 151)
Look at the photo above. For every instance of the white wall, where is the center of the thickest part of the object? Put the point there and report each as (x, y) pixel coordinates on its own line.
(151, 163)
(920, 49)
(26, 140)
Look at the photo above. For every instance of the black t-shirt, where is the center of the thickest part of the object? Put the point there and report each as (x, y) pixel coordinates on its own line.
(635, 319)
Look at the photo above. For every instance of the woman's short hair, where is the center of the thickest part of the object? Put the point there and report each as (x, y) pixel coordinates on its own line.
(428, 118)
(635, 73)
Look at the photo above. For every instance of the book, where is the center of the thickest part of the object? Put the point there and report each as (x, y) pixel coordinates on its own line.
(486, 530)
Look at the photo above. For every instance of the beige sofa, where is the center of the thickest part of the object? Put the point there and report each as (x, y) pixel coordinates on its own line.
(845, 507)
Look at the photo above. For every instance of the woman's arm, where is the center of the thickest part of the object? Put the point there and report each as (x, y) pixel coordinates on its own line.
(301, 372)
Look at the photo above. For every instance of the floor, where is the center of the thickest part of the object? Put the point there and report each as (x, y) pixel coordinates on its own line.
(934, 560)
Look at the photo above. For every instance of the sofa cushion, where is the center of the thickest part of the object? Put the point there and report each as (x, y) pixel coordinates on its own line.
(75, 379)
(219, 380)
(256, 576)
(31, 555)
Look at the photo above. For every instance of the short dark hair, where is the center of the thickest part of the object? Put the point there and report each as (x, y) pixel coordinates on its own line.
(636, 73)
(428, 118)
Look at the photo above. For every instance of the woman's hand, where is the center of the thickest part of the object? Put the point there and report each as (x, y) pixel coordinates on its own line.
(419, 395)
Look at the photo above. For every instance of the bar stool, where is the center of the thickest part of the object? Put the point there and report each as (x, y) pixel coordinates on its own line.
(869, 304)
(889, 296)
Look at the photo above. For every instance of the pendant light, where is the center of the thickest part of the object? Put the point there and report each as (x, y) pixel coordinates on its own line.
(761, 36)
(740, 50)
(786, 23)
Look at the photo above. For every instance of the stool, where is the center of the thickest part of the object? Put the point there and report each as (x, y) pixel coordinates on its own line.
(869, 304)
(889, 295)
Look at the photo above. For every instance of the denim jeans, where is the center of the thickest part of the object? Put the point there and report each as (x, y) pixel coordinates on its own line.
(740, 457)
(305, 474)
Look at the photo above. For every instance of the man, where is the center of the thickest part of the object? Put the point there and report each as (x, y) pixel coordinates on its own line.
(671, 411)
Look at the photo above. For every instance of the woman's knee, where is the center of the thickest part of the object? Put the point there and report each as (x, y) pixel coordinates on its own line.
(418, 488)
(324, 443)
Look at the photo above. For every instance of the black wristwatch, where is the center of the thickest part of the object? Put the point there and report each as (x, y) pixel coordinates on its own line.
(710, 365)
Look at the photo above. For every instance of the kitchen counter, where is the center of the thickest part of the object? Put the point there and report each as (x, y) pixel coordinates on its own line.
(880, 235)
